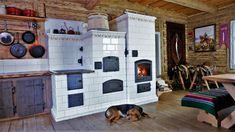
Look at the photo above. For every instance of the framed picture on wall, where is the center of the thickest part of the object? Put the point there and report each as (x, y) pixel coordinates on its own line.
(204, 38)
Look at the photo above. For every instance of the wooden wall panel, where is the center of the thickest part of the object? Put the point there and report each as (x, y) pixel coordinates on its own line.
(220, 57)
(15, 26)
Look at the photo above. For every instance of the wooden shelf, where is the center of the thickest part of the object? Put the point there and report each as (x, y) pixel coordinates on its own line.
(22, 18)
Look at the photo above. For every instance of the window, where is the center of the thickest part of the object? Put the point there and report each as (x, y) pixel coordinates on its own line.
(232, 46)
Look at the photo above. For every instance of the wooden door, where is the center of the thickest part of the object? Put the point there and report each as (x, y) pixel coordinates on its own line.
(175, 46)
(29, 96)
(6, 99)
(38, 95)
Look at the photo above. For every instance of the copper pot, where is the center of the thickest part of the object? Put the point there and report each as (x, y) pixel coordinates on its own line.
(28, 12)
(13, 11)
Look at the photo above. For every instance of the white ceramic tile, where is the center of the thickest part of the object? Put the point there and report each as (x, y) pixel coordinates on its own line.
(114, 41)
(96, 48)
(106, 40)
(9, 68)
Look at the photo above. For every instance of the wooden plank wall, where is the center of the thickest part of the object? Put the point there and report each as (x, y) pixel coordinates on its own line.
(220, 57)
(15, 26)
(75, 11)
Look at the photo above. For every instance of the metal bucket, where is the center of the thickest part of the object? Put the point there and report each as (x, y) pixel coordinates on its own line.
(98, 21)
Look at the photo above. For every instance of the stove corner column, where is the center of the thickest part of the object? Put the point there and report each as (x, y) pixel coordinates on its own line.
(140, 62)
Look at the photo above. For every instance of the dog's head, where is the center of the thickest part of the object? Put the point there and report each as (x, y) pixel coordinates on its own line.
(133, 114)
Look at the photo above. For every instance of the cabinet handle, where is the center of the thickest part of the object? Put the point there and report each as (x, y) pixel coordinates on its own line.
(14, 110)
(80, 81)
(13, 90)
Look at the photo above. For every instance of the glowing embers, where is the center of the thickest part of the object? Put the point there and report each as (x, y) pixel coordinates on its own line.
(143, 70)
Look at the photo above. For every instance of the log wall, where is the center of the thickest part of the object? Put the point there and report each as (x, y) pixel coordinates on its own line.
(75, 11)
(220, 57)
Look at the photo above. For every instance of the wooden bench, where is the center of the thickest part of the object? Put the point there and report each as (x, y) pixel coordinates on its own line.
(209, 102)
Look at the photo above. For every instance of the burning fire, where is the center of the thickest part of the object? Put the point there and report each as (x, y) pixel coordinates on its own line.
(142, 71)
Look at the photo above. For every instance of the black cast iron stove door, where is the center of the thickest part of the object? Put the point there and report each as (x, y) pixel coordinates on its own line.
(113, 85)
(110, 63)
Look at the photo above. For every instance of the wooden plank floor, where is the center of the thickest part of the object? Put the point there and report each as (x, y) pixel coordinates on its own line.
(166, 115)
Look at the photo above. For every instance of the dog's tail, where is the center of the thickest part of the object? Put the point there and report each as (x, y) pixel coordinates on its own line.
(145, 115)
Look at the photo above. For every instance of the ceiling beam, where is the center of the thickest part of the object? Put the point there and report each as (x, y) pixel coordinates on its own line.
(165, 14)
(88, 4)
(147, 2)
(91, 4)
(134, 0)
(194, 4)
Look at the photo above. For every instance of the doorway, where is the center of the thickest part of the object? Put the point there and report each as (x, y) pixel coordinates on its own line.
(175, 46)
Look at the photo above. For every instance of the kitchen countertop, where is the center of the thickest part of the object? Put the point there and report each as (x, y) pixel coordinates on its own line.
(24, 74)
(76, 71)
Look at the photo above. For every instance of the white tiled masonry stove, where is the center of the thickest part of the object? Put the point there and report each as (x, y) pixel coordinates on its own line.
(115, 76)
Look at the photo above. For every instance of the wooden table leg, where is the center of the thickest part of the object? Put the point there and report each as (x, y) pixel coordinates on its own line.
(207, 85)
(204, 116)
(194, 78)
(230, 88)
(229, 120)
(181, 80)
(216, 84)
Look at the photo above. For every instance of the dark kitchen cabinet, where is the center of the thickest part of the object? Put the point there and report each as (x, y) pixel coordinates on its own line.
(25, 96)
(6, 100)
(74, 81)
(29, 96)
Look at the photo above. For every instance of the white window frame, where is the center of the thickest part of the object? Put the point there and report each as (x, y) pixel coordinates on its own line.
(232, 45)
(158, 55)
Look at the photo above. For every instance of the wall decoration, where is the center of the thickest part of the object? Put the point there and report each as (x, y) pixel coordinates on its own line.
(224, 35)
(204, 38)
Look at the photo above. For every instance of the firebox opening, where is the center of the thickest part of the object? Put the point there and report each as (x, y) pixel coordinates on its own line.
(143, 70)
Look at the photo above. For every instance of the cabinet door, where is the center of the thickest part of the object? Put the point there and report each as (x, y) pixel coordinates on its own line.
(6, 102)
(29, 96)
(74, 81)
(38, 95)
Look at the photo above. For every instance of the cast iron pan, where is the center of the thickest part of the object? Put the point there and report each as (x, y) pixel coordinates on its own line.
(28, 37)
(6, 38)
(37, 51)
(18, 50)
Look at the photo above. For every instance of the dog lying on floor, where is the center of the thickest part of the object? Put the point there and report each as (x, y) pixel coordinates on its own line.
(130, 111)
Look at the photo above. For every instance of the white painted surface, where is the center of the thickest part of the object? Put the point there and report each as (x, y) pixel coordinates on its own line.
(99, 44)
(52, 24)
(23, 65)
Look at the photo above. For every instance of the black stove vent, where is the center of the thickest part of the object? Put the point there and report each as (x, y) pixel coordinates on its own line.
(145, 87)
(113, 85)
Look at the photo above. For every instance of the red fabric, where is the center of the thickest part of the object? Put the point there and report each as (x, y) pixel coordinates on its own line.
(200, 97)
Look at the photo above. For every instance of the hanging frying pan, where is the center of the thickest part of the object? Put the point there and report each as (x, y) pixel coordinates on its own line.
(18, 50)
(36, 50)
(6, 38)
(28, 36)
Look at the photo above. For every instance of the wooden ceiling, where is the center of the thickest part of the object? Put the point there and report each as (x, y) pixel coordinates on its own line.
(178, 8)
(186, 7)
